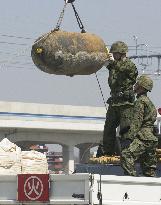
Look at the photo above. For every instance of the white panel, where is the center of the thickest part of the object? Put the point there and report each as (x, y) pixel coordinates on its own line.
(129, 189)
(8, 187)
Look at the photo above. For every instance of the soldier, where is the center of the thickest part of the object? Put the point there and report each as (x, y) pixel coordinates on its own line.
(140, 142)
(122, 77)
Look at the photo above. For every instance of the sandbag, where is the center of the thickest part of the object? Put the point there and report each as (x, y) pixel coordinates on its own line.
(10, 158)
(69, 53)
(34, 162)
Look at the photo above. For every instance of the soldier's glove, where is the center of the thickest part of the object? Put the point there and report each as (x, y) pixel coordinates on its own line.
(125, 143)
(109, 100)
(124, 130)
(155, 130)
(110, 59)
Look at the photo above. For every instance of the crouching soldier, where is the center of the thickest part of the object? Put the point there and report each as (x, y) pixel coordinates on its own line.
(140, 142)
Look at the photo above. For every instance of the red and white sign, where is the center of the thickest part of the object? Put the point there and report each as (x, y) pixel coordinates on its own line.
(33, 187)
(159, 111)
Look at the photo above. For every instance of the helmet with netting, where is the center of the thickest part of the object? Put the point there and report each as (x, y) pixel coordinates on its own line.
(119, 47)
(145, 82)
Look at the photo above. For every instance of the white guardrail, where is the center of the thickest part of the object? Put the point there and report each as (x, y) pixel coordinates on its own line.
(159, 124)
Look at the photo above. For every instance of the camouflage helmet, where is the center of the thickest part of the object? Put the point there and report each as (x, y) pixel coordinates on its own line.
(145, 82)
(119, 47)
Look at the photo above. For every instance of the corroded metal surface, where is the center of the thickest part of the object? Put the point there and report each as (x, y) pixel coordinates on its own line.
(69, 53)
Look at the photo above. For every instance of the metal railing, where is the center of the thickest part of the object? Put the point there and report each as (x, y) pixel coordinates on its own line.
(158, 122)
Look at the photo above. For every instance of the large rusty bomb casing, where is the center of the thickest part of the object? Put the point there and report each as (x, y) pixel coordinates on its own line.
(69, 53)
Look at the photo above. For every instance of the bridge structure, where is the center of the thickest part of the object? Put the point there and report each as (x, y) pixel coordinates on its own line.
(26, 124)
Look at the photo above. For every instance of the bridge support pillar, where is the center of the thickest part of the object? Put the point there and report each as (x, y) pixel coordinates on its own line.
(84, 153)
(68, 159)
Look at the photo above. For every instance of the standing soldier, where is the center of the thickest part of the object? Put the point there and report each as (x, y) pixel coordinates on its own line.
(140, 142)
(122, 77)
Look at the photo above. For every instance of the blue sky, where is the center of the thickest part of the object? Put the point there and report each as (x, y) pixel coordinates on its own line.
(22, 21)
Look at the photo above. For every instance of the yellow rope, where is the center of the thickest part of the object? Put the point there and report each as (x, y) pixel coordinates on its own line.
(115, 159)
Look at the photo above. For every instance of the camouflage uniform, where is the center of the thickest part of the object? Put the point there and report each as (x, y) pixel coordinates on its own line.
(122, 77)
(143, 142)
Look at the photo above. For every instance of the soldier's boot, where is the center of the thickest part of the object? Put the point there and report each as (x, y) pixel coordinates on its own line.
(130, 173)
(103, 151)
(150, 173)
(100, 151)
(109, 150)
(109, 153)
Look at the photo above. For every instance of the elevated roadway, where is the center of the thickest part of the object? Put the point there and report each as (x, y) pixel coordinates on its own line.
(69, 126)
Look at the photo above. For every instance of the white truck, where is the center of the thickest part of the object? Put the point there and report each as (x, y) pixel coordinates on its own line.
(81, 189)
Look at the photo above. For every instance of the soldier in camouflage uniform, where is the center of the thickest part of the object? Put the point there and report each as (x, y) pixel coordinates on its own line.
(122, 77)
(140, 142)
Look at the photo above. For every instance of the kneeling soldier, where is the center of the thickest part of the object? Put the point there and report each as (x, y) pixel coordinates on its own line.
(140, 142)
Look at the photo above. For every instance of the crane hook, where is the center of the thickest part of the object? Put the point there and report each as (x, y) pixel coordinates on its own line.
(69, 1)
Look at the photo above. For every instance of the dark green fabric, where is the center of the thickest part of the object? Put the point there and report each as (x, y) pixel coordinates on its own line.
(116, 115)
(143, 120)
(145, 151)
(144, 142)
(122, 77)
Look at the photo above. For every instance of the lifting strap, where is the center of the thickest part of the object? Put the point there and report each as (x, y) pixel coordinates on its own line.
(60, 19)
(80, 24)
(101, 91)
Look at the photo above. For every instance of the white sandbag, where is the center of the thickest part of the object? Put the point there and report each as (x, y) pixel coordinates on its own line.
(34, 162)
(10, 157)
(8, 146)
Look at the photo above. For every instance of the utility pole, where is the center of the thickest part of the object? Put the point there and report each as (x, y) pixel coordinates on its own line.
(136, 44)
